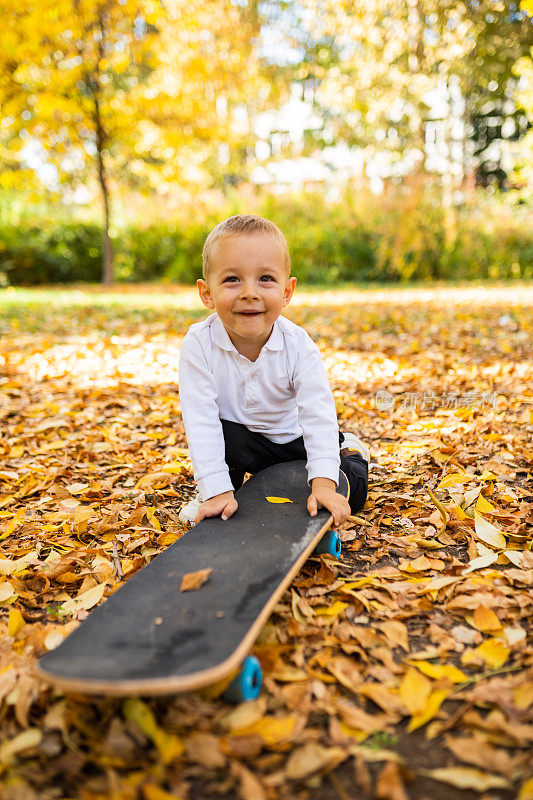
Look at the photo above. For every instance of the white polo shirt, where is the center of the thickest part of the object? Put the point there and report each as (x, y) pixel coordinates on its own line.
(284, 394)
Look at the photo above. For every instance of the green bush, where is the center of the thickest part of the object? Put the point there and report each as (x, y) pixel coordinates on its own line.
(359, 237)
(50, 252)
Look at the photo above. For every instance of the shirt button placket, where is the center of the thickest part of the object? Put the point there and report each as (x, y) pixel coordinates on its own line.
(252, 390)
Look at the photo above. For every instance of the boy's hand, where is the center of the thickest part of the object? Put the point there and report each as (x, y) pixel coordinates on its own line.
(323, 494)
(223, 505)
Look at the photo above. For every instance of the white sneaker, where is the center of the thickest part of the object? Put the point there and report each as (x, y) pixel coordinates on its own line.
(351, 442)
(189, 511)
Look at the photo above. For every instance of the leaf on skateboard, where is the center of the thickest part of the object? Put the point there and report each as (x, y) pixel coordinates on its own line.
(278, 500)
(193, 580)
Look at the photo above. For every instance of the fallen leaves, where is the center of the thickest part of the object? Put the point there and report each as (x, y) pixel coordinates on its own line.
(424, 624)
(311, 758)
(390, 785)
(489, 533)
(27, 740)
(168, 745)
(83, 601)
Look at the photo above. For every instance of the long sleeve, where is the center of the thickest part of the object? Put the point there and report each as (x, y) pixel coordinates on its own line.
(198, 397)
(317, 415)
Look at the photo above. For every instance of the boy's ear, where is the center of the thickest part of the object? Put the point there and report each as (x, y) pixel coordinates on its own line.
(205, 294)
(289, 291)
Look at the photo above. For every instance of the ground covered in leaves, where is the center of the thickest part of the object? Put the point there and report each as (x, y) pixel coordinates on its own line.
(405, 670)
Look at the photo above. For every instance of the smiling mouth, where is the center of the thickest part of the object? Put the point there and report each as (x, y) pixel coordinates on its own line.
(249, 313)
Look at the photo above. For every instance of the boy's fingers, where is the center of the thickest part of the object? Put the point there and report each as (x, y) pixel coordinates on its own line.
(312, 506)
(230, 509)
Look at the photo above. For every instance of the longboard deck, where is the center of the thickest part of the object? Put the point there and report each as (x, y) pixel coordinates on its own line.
(151, 638)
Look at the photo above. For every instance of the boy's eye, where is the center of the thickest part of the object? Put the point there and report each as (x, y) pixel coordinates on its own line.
(230, 279)
(267, 278)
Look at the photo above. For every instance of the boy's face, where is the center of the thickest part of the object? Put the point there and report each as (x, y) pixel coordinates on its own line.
(248, 286)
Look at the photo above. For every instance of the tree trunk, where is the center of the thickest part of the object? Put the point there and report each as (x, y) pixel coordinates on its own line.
(107, 267)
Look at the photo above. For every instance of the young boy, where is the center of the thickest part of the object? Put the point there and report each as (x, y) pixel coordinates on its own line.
(253, 388)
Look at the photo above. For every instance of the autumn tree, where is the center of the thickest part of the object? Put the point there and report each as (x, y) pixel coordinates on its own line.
(131, 91)
(375, 63)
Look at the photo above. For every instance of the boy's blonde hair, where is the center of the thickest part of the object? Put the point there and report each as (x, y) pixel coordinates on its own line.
(243, 225)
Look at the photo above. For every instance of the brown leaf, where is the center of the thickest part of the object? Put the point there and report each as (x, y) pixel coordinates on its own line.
(481, 754)
(250, 786)
(311, 758)
(204, 748)
(389, 785)
(193, 580)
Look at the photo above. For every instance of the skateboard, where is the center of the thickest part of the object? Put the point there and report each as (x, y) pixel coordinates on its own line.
(153, 636)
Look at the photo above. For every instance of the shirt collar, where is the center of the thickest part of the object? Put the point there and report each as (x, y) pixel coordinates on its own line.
(221, 337)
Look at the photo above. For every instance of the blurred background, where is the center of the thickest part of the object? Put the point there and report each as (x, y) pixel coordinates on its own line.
(391, 141)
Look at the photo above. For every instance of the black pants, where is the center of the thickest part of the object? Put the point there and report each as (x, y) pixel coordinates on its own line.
(247, 451)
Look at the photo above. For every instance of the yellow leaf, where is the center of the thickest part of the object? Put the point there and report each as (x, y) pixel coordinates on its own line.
(174, 468)
(278, 499)
(455, 477)
(55, 444)
(439, 671)
(488, 533)
(16, 622)
(297, 614)
(494, 653)
(152, 792)
(443, 514)
(168, 745)
(523, 695)
(458, 511)
(354, 733)
(84, 601)
(485, 619)
(330, 611)
(483, 505)
(12, 525)
(169, 538)
(272, 730)
(17, 452)
(488, 476)
(150, 514)
(24, 741)
(433, 704)
(415, 690)
(526, 790)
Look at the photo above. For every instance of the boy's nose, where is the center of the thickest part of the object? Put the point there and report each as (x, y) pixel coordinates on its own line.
(249, 290)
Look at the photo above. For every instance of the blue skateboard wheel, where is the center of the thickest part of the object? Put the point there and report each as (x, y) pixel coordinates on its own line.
(247, 684)
(330, 544)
